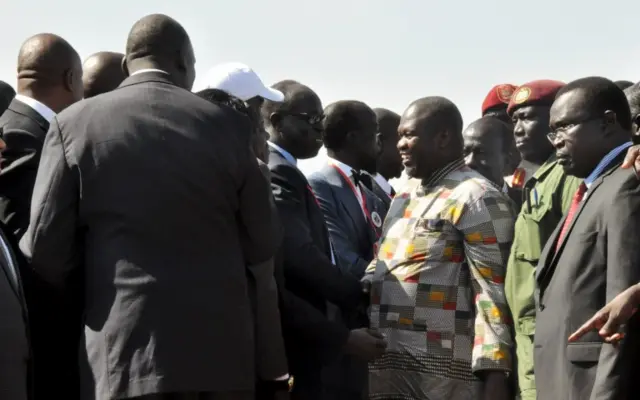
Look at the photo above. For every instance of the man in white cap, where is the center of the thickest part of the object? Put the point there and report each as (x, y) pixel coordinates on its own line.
(241, 81)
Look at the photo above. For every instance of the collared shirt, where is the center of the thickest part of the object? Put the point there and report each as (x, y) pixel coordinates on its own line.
(604, 163)
(383, 183)
(292, 160)
(46, 113)
(142, 71)
(348, 171)
(287, 156)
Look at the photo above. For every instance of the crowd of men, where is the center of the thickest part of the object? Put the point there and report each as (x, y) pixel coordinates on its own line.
(161, 244)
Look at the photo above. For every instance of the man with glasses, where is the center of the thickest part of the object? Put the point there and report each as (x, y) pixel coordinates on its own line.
(592, 256)
(308, 256)
(546, 197)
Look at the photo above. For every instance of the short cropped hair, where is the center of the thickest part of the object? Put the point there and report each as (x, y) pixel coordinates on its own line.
(599, 95)
(340, 118)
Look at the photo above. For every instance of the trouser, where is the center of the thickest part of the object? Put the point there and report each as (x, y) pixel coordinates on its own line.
(237, 395)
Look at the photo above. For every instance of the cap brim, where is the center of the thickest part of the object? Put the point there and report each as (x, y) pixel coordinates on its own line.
(272, 94)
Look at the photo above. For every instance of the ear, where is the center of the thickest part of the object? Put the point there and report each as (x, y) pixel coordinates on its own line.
(275, 119)
(610, 120)
(443, 139)
(636, 120)
(123, 65)
(68, 80)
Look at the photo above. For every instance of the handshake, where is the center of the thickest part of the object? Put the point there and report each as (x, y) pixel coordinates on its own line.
(365, 343)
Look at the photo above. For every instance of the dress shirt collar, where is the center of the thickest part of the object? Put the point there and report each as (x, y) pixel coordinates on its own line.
(40, 108)
(287, 156)
(604, 163)
(347, 170)
(383, 183)
(142, 71)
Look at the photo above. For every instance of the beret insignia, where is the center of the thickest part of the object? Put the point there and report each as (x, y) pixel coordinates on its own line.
(504, 93)
(522, 95)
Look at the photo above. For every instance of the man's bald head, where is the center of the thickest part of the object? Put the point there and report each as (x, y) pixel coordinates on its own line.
(623, 84)
(50, 71)
(439, 113)
(160, 42)
(430, 136)
(486, 147)
(102, 72)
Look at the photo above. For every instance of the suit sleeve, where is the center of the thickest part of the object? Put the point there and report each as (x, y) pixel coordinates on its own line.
(487, 226)
(21, 159)
(623, 258)
(271, 361)
(349, 259)
(255, 212)
(305, 263)
(51, 242)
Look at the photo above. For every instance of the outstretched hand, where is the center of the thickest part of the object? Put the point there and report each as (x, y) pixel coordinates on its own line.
(611, 319)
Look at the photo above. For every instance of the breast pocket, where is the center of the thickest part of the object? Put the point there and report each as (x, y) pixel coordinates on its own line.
(534, 226)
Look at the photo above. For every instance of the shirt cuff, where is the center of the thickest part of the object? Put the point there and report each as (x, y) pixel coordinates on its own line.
(282, 378)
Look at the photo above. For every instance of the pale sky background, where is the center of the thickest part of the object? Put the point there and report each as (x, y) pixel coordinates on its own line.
(385, 53)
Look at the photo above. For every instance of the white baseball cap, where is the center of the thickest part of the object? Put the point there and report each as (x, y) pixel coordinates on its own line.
(239, 80)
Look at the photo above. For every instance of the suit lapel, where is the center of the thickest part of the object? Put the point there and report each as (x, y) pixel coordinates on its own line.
(552, 256)
(7, 259)
(345, 197)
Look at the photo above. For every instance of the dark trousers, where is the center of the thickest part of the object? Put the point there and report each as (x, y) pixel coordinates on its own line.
(240, 395)
(307, 386)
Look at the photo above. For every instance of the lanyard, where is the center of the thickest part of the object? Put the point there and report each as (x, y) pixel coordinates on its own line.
(359, 195)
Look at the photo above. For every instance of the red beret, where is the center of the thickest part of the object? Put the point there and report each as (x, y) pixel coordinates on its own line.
(535, 92)
(499, 95)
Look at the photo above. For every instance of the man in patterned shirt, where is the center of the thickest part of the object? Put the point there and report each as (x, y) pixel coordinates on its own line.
(437, 282)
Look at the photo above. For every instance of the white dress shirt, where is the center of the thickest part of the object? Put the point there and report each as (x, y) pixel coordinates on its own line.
(40, 108)
(383, 183)
(348, 171)
(142, 71)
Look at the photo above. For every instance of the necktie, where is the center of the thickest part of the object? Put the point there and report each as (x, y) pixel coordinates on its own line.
(362, 178)
(575, 203)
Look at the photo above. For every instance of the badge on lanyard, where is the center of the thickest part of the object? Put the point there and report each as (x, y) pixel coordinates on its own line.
(375, 218)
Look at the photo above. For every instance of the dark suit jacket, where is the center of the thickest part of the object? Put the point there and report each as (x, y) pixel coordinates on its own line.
(55, 367)
(311, 279)
(597, 260)
(271, 358)
(24, 130)
(141, 188)
(14, 332)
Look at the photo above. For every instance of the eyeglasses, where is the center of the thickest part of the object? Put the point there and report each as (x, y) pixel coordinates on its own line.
(561, 131)
(311, 119)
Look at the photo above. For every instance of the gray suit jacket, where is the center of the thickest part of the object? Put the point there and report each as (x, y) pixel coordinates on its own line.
(352, 235)
(145, 189)
(271, 357)
(598, 259)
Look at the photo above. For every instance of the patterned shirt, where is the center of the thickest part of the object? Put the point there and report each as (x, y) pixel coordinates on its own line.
(438, 288)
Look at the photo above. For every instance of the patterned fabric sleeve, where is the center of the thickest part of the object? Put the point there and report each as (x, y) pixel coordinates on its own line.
(487, 226)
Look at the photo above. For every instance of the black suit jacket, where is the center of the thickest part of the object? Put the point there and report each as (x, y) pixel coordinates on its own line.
(597, 260)
(143, 190)
(24, 130)
(15, 357)
(304, 263)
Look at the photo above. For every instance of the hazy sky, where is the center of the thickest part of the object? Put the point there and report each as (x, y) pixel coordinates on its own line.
(385, 53)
